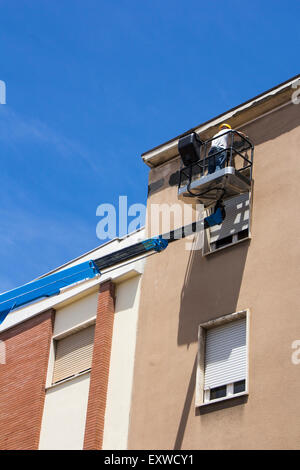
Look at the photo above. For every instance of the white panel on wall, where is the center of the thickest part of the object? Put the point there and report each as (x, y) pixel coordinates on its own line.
(64, 416)
(121, 365)
(79, 311)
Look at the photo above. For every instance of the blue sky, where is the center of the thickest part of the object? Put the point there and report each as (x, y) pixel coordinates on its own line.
(92, 84)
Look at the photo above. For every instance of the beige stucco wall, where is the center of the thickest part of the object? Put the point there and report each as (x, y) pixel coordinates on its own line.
(181, 289)
(63, 423)
(121, 365)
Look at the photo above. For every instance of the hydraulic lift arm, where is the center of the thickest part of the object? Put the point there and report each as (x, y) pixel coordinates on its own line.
(53, 283)
(45, 287)
(217, 217)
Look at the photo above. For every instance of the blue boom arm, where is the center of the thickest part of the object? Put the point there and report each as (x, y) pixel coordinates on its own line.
(45, 287)
(53, 283)
(156, 243)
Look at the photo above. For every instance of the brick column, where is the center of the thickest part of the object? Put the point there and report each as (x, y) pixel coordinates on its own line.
(23, 381)
(100, 367)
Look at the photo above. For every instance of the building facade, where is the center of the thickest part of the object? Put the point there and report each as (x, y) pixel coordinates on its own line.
(218, 327)
(195, 348)
(66, 359)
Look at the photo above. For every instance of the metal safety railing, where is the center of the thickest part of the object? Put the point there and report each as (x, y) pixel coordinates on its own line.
(238, 154)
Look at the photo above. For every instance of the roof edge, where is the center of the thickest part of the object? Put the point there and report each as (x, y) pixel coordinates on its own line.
(169, 146)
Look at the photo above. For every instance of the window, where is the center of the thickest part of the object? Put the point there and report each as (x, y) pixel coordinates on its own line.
(236, 226)
(222, 359)
(73, 354)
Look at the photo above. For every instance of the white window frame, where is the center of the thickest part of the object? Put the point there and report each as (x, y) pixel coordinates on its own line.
(201, 396)
(52, 353)
(210, 247)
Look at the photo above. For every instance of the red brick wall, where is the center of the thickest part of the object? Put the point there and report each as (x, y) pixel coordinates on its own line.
(22, 381)
(100, 367)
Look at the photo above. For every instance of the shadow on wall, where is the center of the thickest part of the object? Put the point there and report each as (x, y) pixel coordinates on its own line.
(211, 288)
(129, 289)
(200, 411)
(186, 408)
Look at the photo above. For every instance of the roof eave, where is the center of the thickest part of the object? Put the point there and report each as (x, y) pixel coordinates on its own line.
(238, 116)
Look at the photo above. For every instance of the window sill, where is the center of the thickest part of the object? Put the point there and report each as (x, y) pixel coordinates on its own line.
(218, 400)
(68, 379)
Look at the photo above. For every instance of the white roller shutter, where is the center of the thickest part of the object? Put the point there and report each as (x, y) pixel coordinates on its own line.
(74, 354)
(226, 354)
(237, 218)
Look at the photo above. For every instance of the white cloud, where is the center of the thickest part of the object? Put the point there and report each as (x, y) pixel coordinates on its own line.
(14, 128)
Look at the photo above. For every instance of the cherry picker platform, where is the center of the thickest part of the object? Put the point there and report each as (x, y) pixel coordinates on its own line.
(195, 181)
